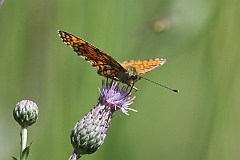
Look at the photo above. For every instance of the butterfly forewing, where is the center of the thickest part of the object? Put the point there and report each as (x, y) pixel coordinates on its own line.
(107, 66)
(144, 66)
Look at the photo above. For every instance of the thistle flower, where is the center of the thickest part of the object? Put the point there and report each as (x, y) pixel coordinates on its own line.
(26, 114)
(89, 133)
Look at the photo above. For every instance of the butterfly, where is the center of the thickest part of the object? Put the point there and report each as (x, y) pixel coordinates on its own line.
(128, 72)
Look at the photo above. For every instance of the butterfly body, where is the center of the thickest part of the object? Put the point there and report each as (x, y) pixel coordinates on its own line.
(129, 77)
(128, 72)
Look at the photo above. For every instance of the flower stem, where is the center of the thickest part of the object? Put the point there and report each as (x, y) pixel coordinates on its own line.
(23, 136)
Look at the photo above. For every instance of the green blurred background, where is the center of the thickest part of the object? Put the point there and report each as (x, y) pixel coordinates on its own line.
(200, 39)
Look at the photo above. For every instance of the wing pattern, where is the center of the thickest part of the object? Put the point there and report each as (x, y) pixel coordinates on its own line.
(144, 66)
(107, 66)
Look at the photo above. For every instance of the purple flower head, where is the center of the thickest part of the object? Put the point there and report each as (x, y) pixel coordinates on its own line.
(115, 98)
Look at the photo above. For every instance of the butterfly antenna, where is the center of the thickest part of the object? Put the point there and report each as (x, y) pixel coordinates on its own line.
(174, 90)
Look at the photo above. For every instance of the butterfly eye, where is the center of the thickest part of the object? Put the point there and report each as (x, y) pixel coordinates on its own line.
(131, 71)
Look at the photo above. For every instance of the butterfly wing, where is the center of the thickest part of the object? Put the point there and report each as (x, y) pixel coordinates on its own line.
(107, 66)
(144, 66)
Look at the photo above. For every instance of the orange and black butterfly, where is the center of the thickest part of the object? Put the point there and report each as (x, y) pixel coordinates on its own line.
(128, 72)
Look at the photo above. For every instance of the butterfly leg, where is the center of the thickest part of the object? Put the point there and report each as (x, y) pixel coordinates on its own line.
(129, 91)
(135, 88)
(132, 87)
(111, 81)
(107, 81)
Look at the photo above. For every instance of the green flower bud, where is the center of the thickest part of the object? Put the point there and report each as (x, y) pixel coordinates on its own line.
(26, 113)
(89, 133)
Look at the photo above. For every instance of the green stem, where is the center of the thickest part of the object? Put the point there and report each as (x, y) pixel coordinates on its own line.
(23, 135)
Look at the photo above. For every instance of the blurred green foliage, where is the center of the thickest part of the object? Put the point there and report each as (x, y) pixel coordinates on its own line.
(200, 40)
